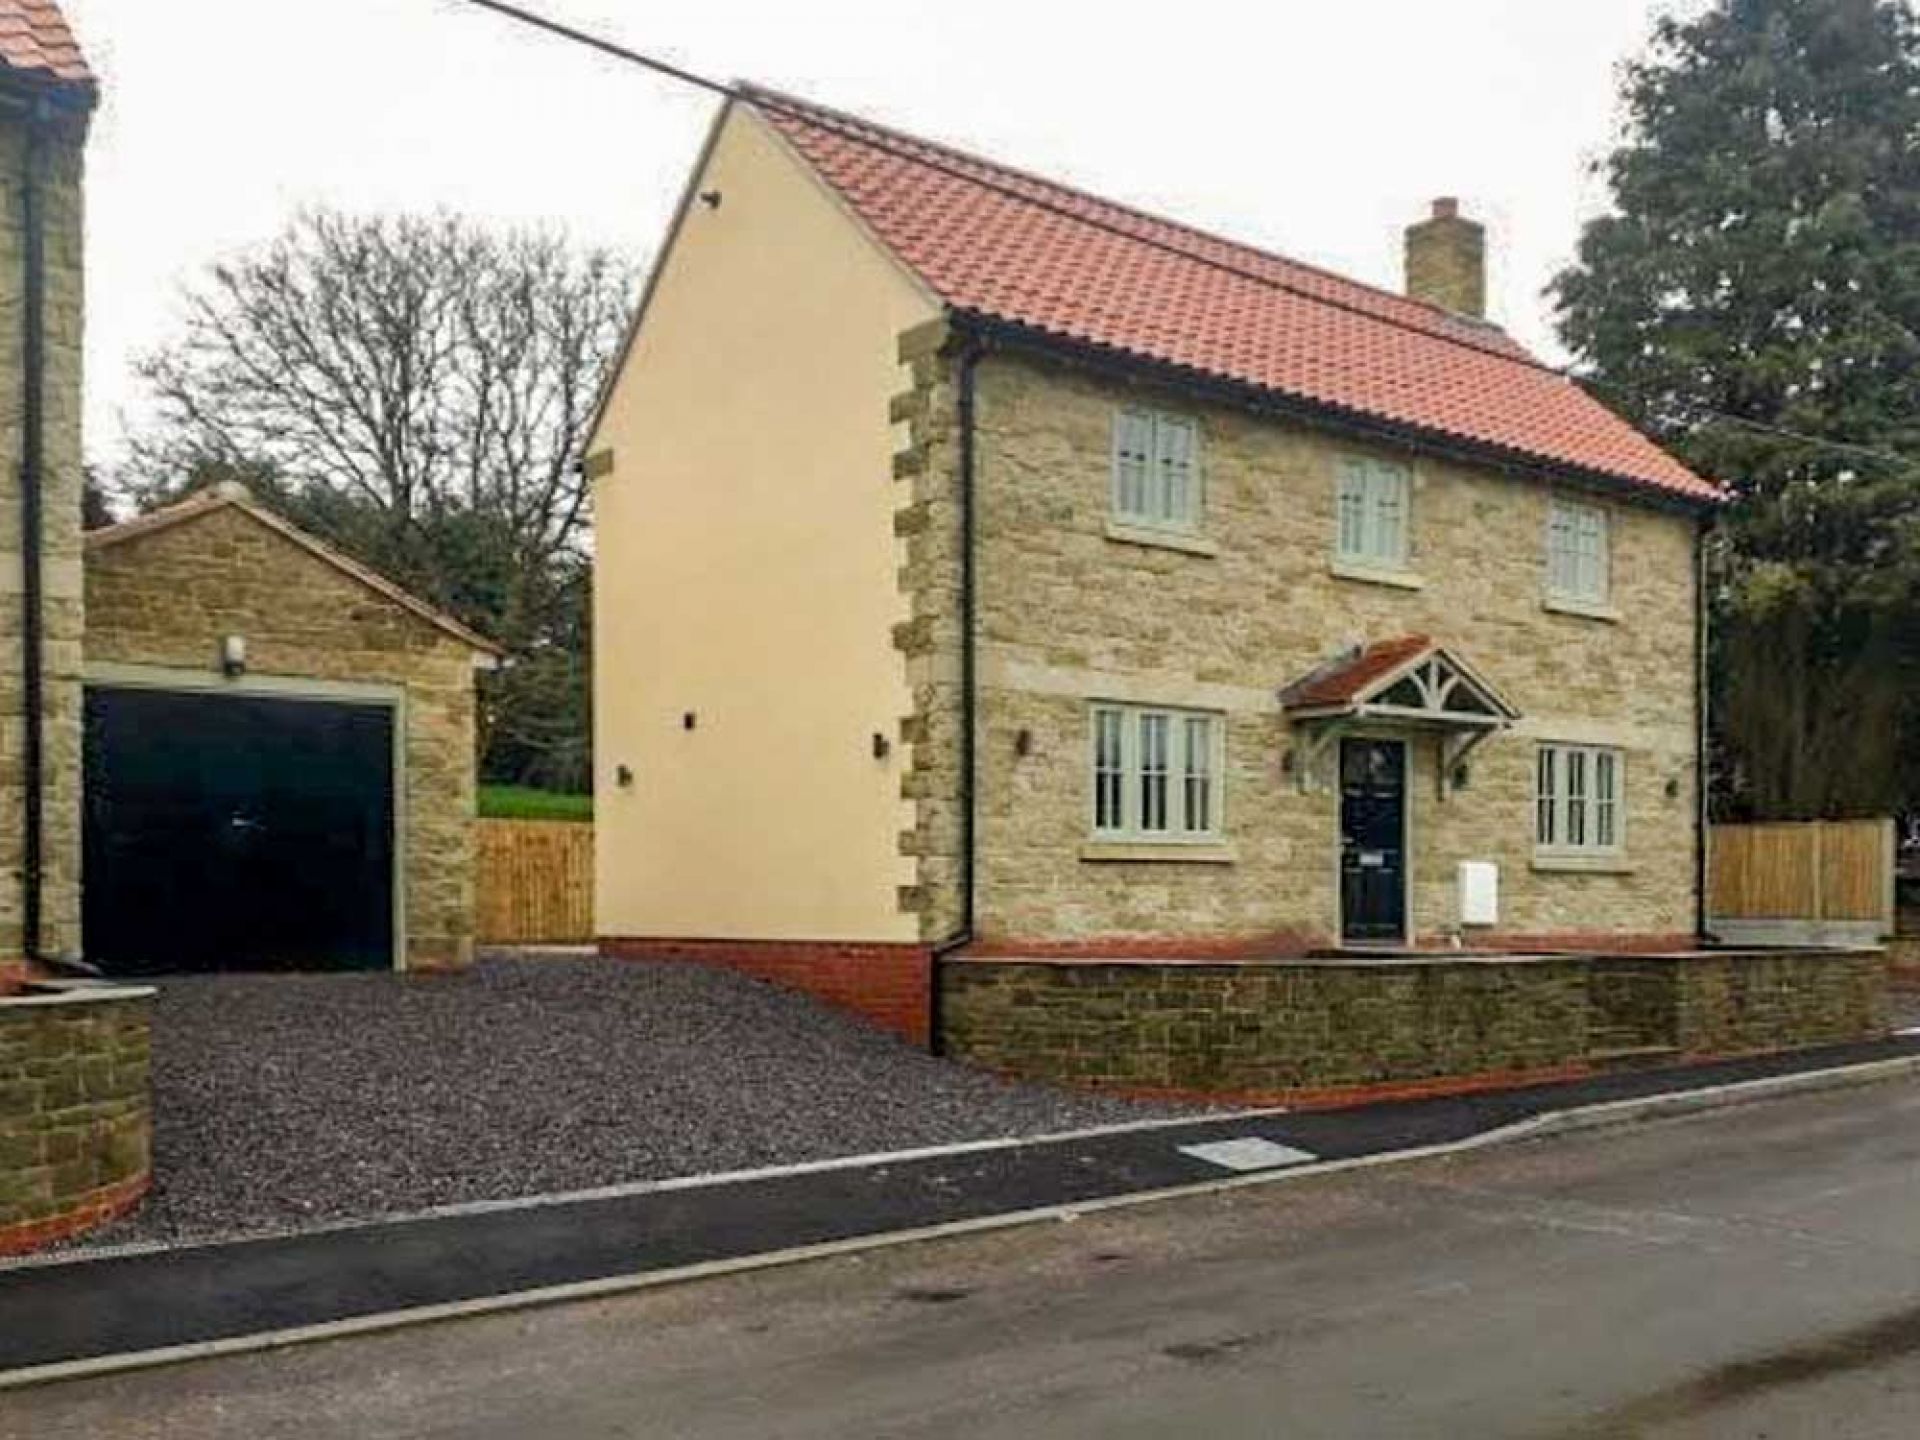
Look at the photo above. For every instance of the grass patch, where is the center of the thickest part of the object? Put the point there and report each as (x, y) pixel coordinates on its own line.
(522, 802)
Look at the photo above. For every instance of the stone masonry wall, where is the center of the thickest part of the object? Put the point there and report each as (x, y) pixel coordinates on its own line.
(76, 1125)
(1070, 613)
(1748, 1001)
(1318, 1030)
(63, 611)
(1283, 1031)
(167, 598)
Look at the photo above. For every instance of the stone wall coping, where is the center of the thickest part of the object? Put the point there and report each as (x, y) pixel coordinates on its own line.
(1750, 952)
(1277, 962)
(1411, 959)
(52, 994)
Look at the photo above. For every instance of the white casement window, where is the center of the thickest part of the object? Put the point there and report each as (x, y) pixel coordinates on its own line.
(1577, 560)
(1375, 502)
(1577, 797)
(1156, 773)
(1156, 470)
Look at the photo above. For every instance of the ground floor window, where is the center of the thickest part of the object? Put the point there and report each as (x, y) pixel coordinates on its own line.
(1577, 797)
(1156, 773)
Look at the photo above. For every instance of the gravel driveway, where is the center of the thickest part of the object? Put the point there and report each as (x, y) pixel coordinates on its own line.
(288, 1101)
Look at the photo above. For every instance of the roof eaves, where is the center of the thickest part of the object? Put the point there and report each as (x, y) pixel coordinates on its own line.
(993, 329)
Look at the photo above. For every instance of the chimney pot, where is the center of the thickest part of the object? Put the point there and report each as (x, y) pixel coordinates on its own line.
(1447, 260)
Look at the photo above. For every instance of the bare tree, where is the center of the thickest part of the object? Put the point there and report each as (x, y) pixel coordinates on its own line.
(417, 389)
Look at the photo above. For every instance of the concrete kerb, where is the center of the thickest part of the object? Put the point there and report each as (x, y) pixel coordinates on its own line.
(1667, 1105)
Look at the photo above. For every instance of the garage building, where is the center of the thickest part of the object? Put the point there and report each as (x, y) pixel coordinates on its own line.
(279, 752)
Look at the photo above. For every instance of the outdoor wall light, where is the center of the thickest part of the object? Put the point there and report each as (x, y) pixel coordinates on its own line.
(233, 656)
(1461, 775)
(689, 720)
(882, 747)
(710, 199)
(1023, 743)
(623, 776)
(1673, 787)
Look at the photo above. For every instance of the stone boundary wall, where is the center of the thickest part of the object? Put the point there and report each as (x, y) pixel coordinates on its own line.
(1327, 1031)
(76, 1121)
(1739, 1002)
(1285, 1030)
(888, 985)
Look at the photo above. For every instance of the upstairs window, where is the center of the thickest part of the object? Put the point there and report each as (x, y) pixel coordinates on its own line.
(1577, 560)
(1375, 499)
(1156, 470)
(1155, 774)
(1577, 798)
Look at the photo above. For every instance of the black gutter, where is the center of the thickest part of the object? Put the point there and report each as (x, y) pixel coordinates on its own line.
(32, 511)
(1011, 335)
(1701, 740)
(966, 368)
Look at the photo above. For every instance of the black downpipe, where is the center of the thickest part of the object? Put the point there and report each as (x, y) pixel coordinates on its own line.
(32, 585)
(969, 363)
(1702, 695)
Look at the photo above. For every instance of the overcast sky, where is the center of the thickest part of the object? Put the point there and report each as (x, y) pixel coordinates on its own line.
(1314, 127)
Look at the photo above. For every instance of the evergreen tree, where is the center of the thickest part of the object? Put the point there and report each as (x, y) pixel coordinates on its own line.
(1763, 263)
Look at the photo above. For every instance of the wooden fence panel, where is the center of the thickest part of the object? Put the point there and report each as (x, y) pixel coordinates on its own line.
(1816, 870)
(534, 882)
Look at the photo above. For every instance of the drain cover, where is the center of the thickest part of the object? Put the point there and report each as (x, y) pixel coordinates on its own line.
(1248, 1152)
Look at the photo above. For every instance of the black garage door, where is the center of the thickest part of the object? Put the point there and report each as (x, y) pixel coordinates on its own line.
(228, 832)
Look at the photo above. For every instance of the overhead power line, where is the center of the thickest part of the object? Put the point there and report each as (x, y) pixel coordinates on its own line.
(879, 140)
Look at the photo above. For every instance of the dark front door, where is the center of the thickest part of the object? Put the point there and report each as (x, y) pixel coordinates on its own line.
(230, 832)
(1373, 797)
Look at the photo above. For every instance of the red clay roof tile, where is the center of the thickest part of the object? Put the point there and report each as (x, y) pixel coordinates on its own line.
(1344, 681)
(1011, 247)
(36, 40)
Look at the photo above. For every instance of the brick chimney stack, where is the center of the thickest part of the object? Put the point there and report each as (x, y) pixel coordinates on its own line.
(1447, 260)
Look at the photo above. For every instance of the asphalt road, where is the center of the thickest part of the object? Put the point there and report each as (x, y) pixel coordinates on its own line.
(1744, 1273)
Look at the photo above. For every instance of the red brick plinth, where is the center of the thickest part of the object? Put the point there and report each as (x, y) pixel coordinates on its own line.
(888, 985)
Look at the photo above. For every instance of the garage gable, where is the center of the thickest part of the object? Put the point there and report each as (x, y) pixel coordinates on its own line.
(197, 542)
(260, 705)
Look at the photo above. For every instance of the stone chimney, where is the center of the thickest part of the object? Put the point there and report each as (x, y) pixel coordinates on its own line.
(1447, 261)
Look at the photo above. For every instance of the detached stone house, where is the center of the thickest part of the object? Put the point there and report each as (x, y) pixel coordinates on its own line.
(987, 572)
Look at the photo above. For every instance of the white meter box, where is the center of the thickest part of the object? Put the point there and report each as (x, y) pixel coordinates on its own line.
(1479, 892)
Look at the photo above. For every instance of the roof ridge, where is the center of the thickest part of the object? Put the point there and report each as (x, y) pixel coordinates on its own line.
(1013, 248)
(1428, 317)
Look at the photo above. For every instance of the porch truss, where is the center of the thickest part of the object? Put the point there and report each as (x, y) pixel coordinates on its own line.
(1410, 683)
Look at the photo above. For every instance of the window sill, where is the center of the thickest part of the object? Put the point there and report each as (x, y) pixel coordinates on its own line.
(1584, 864)
(1166, 852)
(1181, 540)
(1375, 574)
(1586, 609)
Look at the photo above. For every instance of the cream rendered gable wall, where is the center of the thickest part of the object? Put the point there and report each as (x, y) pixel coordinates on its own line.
(746, 573)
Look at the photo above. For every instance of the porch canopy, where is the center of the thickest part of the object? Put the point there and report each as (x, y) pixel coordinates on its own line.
(1409, 682)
